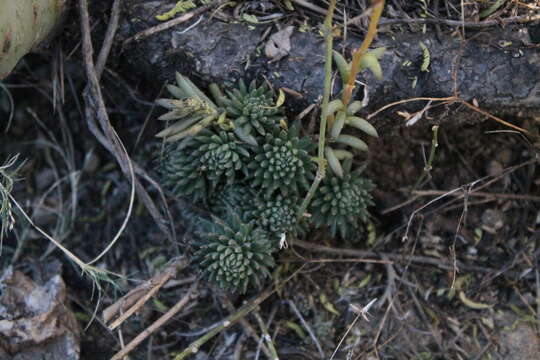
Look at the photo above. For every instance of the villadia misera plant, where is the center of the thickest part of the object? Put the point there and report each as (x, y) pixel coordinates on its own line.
(239, 159)
(282, 163)
(235, 254)
(341, 202)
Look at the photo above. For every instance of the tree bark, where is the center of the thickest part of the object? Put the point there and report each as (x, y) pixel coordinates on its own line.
(497, 67)
(24, 25)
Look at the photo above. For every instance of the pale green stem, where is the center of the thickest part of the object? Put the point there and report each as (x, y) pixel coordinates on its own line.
(428, 167)
(321, 161)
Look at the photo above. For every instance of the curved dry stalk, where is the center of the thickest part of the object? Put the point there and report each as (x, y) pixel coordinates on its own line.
(378, 7)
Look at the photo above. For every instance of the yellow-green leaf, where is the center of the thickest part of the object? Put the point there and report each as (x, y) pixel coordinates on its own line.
(180, 7)
(343, 66)
(328, 305)
(472, 304)
(370, 61)
(337, 126)
(333, 161)
(250, 18)
(364, 281)
(352, 142)
(363, 125)
(280, 100)
(297, 329)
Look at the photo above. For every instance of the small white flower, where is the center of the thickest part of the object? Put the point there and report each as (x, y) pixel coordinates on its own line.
(283, 242)
(363, 310)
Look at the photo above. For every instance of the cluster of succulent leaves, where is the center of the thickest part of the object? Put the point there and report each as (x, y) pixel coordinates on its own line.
(341, 115)
(239, 158)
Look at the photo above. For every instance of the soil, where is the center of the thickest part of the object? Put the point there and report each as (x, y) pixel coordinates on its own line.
(452, 260)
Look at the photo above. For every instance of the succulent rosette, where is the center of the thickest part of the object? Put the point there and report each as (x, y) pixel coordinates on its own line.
(235, 254)
(207, 160)
(341, 203)
(282, 162)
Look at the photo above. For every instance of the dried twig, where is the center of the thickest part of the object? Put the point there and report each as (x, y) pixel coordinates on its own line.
(445, 265)
(95, 107)
(474, 193)
(157, 324)
(468, 24)
(137, 297)
(176, 21)
(233, 318)
(109, 36)
(307, 327)
(266, 337)
(248, 329)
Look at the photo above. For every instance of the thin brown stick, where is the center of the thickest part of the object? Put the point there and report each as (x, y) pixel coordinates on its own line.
(445, 265)
(176, 21)
(452, 99)
(479, 194)
(378, 6)
(248, 329)
(499, 120)
(136, 298)
(156, 324)
(95, 107)
(109, 37)
(306, 326)
(314, 8)
(468, 24)
(446, 99)
(325, 261)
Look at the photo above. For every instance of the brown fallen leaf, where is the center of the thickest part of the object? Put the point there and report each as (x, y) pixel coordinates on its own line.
(279, 44)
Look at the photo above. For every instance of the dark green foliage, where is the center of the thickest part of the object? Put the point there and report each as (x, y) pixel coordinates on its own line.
(253, 108)
(341, 203)
(208, 159)
(235, 254)
(282, 162)
(276, 214)
(252, 182)
(190, 112)
(181, 173)
(221, 155)
(238, 198)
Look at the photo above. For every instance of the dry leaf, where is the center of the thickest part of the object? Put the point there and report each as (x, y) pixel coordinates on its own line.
(279, 44)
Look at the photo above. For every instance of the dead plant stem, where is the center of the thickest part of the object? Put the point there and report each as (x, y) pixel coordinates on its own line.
(429, 163)
(360, 52)
(233, 318)
(157, 324)
(176, 21)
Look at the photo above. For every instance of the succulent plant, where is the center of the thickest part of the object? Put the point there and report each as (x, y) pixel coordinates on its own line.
(208, 159)
(341, 202)
(221, 155)
(191, 111)
(235, 254)
(276, 213)
(237, 197)
(282, 162)
(252, 108)
(181, 173)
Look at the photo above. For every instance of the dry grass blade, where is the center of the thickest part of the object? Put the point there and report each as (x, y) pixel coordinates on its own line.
(522, 19)
(176, 21)
(95, 108)
(6, 185)
(137, 297)
(157, 324)
(233, 318)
